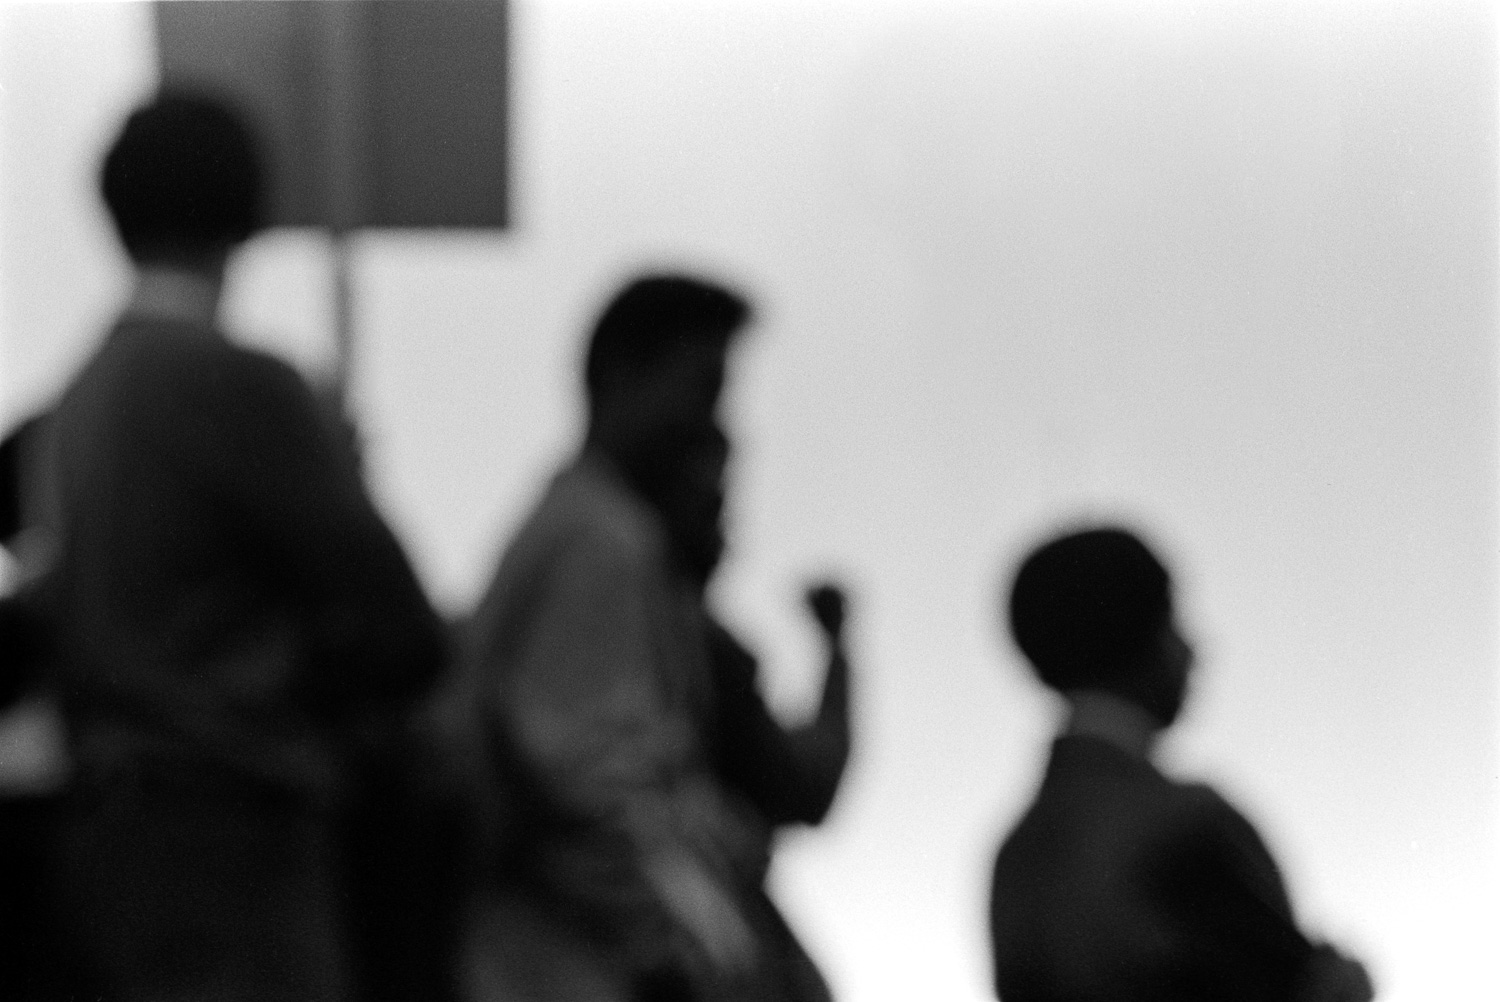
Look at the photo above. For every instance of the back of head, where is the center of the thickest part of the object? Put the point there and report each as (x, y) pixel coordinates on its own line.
(1086, 607)
(650, 319)
(182, 179)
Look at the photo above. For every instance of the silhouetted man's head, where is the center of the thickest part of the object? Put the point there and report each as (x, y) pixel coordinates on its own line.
(655, 365)
(182, 181)
(691, 499)
(1093, 610)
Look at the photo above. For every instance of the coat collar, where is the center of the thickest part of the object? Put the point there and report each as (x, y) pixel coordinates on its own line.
(166, 293)
(1112, 719)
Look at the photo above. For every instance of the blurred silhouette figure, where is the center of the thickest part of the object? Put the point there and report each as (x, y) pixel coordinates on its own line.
(406, 843)
(23, 630)
(36, 963)
(226, 600)
(618, 859)
(1119, 883)
(788, 775)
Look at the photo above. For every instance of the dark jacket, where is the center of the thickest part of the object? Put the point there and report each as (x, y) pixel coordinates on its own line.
(1121, 885)
(228, 607)
(225, 593)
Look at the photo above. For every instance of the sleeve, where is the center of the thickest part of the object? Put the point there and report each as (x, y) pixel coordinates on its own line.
(591, 705)
(285, 476)
(785, 780)
(587, 700)
(1222, 882)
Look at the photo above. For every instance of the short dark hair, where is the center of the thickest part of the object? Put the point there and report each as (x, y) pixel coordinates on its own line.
(653, 315)
(1087, 605)
(183, 176)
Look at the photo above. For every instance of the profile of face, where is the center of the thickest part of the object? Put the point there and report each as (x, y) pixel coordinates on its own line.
(1161, 686)
(692, 501)
(640, 415)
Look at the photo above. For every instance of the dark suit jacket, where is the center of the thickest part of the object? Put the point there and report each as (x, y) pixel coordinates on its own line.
(227, 604)
(1120, 885)
(225, 590)
(23, 643)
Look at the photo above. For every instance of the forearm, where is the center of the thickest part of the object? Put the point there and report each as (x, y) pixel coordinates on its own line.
(701, 905)
(832, 719)
(825, 743)
(792, 774)
(821, 758)
(823, 746)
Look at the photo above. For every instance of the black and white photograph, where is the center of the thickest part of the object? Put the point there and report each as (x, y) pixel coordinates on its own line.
(749, 500)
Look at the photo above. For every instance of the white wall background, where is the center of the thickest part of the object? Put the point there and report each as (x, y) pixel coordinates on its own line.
(1226, 269)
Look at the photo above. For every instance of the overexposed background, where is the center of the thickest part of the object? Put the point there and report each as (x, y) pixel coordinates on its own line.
(1228, 270)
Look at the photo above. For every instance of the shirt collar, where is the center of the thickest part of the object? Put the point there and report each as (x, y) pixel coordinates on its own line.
(166, 293)
(1112, 719)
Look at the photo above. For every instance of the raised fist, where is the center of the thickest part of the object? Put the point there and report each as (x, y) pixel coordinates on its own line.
(826, 602)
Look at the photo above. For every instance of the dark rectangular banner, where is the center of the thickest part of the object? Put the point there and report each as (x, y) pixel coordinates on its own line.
(373, 113)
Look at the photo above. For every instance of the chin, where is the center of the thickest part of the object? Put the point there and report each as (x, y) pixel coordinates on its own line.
(1165, 709)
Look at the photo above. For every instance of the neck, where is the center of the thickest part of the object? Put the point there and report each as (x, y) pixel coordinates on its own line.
(1114, 719)
(621, 452)
(172, 292)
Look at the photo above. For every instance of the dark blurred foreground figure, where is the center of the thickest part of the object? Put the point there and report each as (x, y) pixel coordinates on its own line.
(36, 962)
(1120, 884)
(787, 775)
(227, 603)
(24, 635)
(616, 855)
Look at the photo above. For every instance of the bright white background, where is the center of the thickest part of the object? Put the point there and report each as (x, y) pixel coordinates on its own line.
(1228, 270)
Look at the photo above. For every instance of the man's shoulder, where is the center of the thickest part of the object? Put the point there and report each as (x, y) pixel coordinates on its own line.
(1212, 820)
(1199, 805)
(1166, 807)
(1102, 821)
(180, 390)
(588, 507)
(150, 355)
(1095, 795)
(584, 520)
(228, 360)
